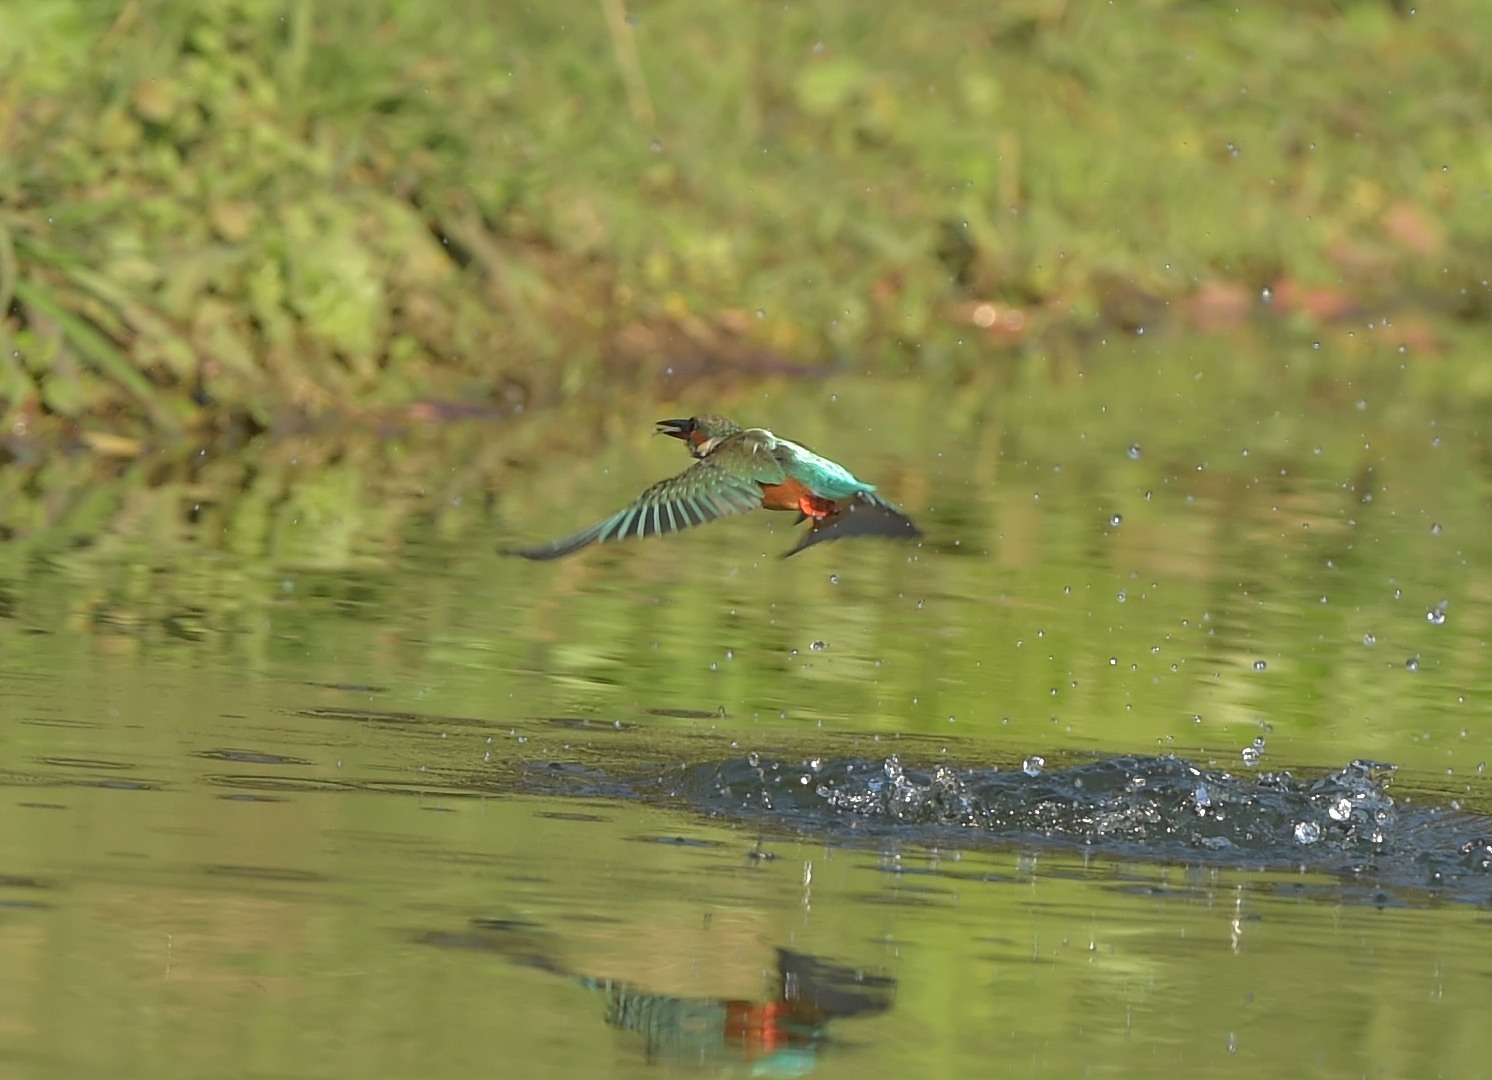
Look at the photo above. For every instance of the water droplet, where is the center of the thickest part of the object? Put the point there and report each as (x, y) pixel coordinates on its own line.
(819, 646)
(1260, 665)
(1266, 294)
(1436, 530)
(1033, 765)
(833, 579)
(1134, 452)
(1435, 617)
(1250, 755)
(1412, 663)
(1307, 832)
(1116, 521)
(1122, 596)
(1113, 661)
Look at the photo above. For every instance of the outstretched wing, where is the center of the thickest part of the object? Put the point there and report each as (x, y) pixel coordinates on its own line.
(699, 494)
(867, 514)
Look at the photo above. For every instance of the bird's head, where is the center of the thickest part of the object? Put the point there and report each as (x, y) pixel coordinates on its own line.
(702, 433)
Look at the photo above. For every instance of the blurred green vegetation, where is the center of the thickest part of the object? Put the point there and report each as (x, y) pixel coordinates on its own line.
(225, 214)
(1323, 541)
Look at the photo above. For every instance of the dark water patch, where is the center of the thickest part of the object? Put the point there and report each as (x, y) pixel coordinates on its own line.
(17, 881)
(434, 787)
(119, 785)
(448, 857)
(376, 839)
(581, 723)
(250, 757)
(85, 763)
(482, 943)
(351, 688)
(520, 941)
(20, 779)
(690, 714)
(276, 784)
(463, 941)
(559, 815)
(902, 899)
(584, 781)
(249, 797)
(1167, 806)
(51, 779)
(278, 874)
(389, 717)
(61, 722)
(677, 841)
(504, 925)
(1379, 848)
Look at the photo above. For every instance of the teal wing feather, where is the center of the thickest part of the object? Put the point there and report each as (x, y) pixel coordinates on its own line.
(702, 493)
(826, 479)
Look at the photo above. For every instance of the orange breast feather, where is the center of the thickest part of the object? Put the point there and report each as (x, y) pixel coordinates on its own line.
(793, 494)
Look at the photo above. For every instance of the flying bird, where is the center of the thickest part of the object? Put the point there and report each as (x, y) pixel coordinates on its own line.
(739, 469)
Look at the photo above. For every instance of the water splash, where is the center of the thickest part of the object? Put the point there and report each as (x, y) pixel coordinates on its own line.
(1154, 808)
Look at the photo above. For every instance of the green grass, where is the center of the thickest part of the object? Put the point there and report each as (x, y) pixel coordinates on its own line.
(215, 213)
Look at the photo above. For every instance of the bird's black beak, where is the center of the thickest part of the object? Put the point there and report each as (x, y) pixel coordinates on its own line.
(679, 429)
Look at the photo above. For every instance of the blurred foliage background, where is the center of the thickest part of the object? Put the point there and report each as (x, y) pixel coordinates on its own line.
(224, 216)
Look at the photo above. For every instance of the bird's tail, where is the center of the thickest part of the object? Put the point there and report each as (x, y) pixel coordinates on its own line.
(866, 515)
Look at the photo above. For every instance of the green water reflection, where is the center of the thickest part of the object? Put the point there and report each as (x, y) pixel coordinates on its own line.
(265, 720)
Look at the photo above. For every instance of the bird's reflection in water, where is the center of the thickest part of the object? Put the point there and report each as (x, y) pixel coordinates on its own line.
(781, 1034)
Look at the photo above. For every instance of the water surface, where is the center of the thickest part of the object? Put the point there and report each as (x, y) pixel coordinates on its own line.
(1165, 749)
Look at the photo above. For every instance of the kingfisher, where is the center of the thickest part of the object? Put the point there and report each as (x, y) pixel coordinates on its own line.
(738, 469)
